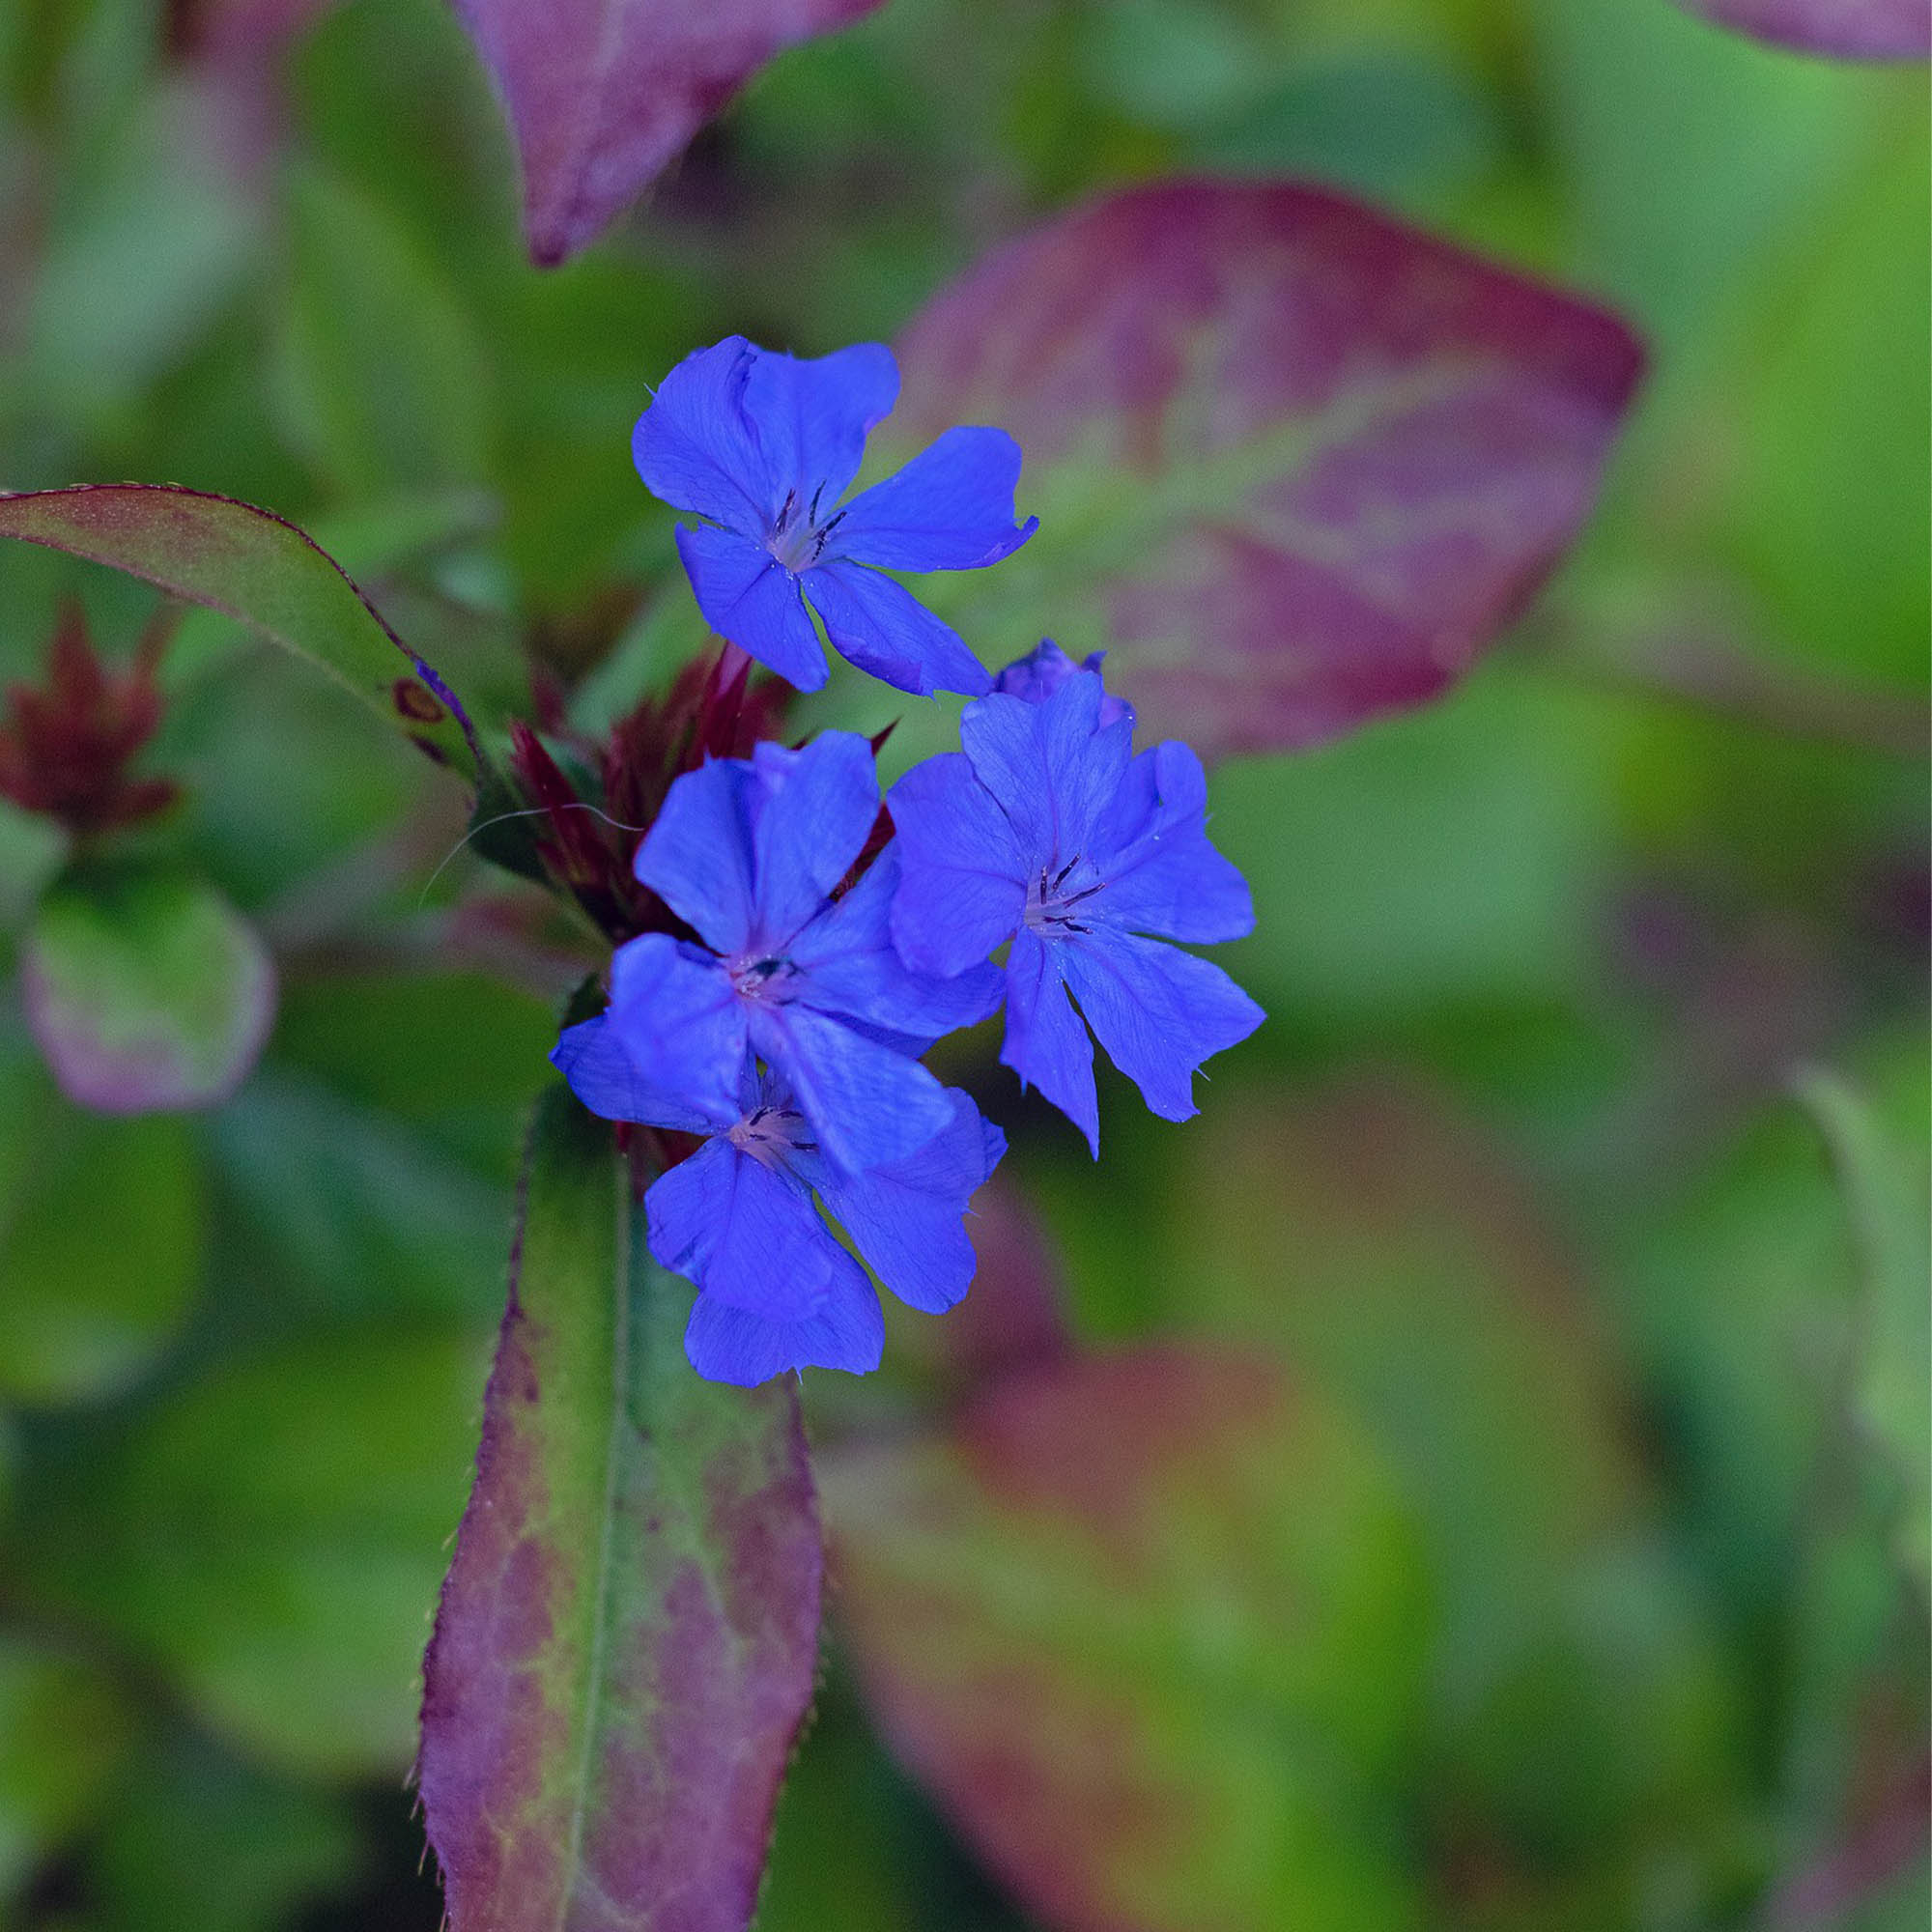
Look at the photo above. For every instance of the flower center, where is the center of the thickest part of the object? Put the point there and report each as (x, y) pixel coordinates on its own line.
(1054, 898)
(797, 536)
(766, 978)
(770, 1133)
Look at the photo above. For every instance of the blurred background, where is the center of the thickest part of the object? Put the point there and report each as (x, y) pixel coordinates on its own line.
(1577, 1186)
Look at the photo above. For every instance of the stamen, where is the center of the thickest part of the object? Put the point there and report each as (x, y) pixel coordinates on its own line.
(831, 523)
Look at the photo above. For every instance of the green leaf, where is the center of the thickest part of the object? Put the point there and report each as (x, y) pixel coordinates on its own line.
(254, 565)
(384, 382)
(101, 1235)
(32, 851)
(1436, 860)
(1149, 1627)
(198, 1838)
(1832, 413)
(146, 990)
(363, 1215)
(270, 1539)
(140, 259)
(1885, 1186)
(64, 1729)
(627, 1642)
(1371, 1239)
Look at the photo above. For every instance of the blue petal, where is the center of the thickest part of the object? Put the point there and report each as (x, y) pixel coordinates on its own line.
(949, 508)
(1162, 875)
(745, 1233)
(823, 801)
(906, 1218)
(963, 877)
(1158, 1012)
(674, 1012)
(694, 447)
(854, 970)
(748, 596)
(591, 1056)
(1045, 1043)
(867, 1104)
(845, 1332)
(811, 417)
(697, 855)
(887, 631)
(1051, 766)
(1041, 672)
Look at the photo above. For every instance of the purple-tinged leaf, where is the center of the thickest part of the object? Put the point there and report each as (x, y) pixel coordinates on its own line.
(1868, 30)
(1294, 464)
(602, 93)
(628, 1639)
(147, 991)
(1146, 1626)
(1014, 1314)
(252, 565)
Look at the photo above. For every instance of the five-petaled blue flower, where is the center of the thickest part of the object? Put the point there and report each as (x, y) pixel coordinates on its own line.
(763, 445)
(748, 852)
(1047, 831)
(776, 1289)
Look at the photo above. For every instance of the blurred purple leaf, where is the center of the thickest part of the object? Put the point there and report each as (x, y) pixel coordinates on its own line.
(1876, 30)
(1147, 1627)
(255, 566)
(1294, 462)
(147, 992)
(602, 93)
(1013, 1317)
(628, 1639)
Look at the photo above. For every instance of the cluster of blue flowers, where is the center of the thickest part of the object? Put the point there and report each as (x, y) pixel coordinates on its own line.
(787, 1031)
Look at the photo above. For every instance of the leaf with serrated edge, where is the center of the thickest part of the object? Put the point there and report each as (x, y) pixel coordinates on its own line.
(1294, 462)
(628, 1639)
(255, 566)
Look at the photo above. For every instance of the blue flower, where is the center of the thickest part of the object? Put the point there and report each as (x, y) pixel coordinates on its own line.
(776, 1289)
(1047, 831)
(748, 852)
(1038, 674)
(763, 445)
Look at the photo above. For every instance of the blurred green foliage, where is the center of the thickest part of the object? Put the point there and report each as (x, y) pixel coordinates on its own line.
(1582, 1167)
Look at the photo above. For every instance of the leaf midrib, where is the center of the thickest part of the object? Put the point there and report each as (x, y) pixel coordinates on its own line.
(593, 1674)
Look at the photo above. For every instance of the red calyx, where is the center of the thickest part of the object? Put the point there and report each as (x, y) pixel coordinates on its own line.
(711, 711)
(65, 748)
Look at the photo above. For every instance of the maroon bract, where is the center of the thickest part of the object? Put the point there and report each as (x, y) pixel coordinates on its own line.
(711, 711)
(1295, 463)
(602, 93)
(65, 749)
